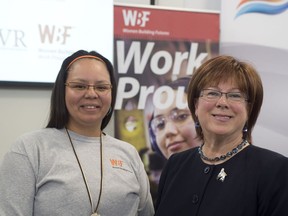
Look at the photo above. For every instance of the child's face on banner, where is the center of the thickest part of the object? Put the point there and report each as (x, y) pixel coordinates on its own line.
(174, 128)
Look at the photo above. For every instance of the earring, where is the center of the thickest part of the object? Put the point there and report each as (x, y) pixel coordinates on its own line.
(245, 131)
(245, 128)
(197, 124)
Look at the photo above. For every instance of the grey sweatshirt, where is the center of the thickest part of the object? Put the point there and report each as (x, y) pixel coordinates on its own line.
(40, 176)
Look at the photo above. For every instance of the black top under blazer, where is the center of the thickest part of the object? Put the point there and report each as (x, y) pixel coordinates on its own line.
(256, 185)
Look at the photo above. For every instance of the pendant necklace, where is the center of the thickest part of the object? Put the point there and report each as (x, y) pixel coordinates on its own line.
(94, 211)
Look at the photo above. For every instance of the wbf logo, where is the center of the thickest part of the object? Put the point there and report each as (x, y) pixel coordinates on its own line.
(135, 18)
(269, 7)
(54, 34)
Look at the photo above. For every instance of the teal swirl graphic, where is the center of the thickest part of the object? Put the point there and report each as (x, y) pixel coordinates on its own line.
(264, 7)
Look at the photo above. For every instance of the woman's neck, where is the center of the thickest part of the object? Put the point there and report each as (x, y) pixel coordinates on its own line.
(85, 131)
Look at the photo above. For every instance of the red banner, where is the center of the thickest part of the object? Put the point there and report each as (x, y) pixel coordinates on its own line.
(152, 47)
(164, 24)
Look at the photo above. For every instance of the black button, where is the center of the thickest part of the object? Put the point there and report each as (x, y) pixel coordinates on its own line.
(195, 199)
(207, 169)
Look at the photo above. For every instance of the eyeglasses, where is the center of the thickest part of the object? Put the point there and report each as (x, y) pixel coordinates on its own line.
(101, 89)
(178, 117)
(215, 95)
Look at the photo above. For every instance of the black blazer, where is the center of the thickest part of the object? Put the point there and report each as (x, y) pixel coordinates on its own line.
(256, 185)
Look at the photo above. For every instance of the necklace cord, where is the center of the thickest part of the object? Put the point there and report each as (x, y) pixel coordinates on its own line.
(101, 169)
(83, 174)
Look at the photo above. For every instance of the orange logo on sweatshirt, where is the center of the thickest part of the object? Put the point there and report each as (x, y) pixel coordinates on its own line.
(116, 163)
(120, 164)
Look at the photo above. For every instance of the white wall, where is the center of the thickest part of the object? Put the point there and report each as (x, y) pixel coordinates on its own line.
(185, 4)
(21, 110)
(24, 110)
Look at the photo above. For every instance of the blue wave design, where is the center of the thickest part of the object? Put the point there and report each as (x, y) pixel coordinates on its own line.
(263, 8)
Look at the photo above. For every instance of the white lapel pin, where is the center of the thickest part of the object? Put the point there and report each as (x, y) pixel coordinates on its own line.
(221, 176)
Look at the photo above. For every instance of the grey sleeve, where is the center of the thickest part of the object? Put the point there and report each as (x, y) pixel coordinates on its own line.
(146, 207)
(17, 185)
